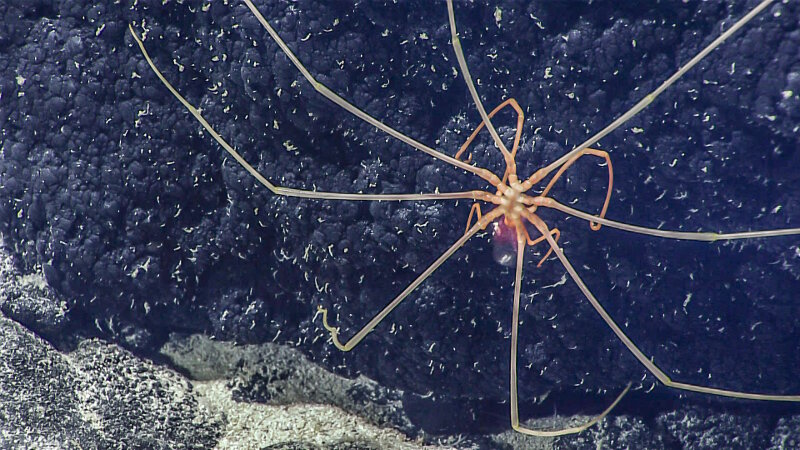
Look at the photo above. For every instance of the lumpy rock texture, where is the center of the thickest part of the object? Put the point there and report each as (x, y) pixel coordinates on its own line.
(144, 226)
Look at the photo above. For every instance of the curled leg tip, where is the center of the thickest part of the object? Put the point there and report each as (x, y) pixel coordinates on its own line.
(334, 331)
(324, 312)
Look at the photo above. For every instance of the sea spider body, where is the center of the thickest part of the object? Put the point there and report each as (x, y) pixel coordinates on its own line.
(511, 202)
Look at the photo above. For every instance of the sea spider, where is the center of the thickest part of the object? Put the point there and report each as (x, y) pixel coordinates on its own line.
(514, 205)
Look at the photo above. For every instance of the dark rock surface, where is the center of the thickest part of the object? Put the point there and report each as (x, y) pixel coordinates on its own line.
(143, 227)
(97, 397)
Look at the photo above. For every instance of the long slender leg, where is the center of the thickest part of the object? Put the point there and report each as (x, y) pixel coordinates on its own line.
(511, 165)
(290, 192)
(638, 354)
(514, 333)
(352, 109)
(480, 225)
(548, 202)
(520, 121)
(643, 103)
(587, 151)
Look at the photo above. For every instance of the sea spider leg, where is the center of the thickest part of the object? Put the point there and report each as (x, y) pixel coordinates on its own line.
(511, 164)
(520, 121)
(546, 234)
(291, 192)
(587, 151)
(548, 202)
(643, 103)
(476, 208)
(480, 225)
(638, 354)
(486, 174)
(554, 231)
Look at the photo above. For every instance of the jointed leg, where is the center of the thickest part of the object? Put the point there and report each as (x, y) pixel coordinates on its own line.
(520, 121)
(518, 225)
(352, 109)
(638, 354)
(587, 151)
(548, 202)
(480, 225)
(290, 192)
(553, 232)
(511, 166)
(643, 103)
(514, 333)
(476, 208)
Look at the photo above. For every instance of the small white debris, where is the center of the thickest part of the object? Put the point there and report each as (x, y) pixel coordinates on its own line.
(686, 301)
(290, 148)
(537, 20)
